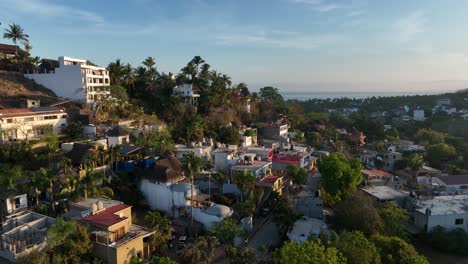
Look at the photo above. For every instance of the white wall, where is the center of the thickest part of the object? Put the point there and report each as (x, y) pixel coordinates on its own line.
(113, 141)
(25, 128)
(446, 221)
(11, 203)
(66, 82)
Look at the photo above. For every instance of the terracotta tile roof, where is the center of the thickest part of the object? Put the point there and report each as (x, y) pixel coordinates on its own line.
(17, 112)
(108, 217)
(268, 181)
(376, 172)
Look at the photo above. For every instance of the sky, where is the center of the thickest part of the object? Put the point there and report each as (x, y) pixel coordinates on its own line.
(295, 45)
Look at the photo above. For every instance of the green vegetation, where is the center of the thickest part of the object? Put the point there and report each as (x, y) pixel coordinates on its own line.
(227, 230)
(309, 252)
(451, 241)
(340, 177)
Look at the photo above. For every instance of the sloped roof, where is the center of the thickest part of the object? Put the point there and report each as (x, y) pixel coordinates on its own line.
(165, 170)
(454, 179)
(8, 49)
(108, 217)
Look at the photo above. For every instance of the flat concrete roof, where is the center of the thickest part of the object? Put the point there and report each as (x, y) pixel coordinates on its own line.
(384, 193)
(445, 205)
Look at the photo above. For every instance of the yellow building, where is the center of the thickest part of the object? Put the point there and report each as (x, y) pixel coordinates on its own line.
(275, 183)
(115, 238)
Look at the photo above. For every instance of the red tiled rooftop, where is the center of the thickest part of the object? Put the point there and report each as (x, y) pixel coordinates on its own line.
(14, 112)
(108, 216)
(454, 179)
(376, 172)
(267, 181)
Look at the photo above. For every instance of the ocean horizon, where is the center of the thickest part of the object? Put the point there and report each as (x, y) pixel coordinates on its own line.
(303, 96)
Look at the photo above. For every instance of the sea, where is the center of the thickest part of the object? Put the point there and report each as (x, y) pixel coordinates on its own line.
(303, 96)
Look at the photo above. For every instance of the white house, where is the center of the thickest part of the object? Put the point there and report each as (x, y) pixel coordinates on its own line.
(11, 205)
(449, 212)
(305, 227)
(118, 136)
(418, 115)
(29, 123)
(75, 79)
(187, 91)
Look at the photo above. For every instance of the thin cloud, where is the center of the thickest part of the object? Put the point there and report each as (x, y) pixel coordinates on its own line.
(321, 6)
(46, 9)
(408, 27)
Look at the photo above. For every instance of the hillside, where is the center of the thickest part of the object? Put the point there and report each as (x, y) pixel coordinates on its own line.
(15, 88)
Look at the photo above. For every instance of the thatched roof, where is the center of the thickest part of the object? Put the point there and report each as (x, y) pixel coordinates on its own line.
(165, 170)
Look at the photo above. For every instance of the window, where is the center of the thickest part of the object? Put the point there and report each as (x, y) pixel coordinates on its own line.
(9, 120)
(17, 202)
(50, 117)
(459, 221)
(29, 119)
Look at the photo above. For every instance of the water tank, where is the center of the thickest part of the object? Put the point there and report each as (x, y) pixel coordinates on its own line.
(94, 208)
(100, 205)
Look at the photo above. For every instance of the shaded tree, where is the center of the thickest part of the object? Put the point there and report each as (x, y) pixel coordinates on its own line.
(309, 252)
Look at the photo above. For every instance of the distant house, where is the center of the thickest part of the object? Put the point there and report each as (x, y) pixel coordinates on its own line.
(187, 91)
(23, 233)
(118, 136)
(418, 115)
(202, 151)
(12, 204)
(309, 203)
(271, 183)
(282, 159)
(8, 51)
(455, 183)
(259, 168)
(449, 212)
(263, 153)
(115, 238)
(224, 158)
(389, 159)
(377, 176)
(30, 123)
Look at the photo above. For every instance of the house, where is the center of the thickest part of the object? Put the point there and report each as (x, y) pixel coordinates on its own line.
(115, 239)
(12, 204)
(75, 79)
(377, 176)
(248, 136)
(263, 153)
(23, 233)
(259, 168)
(368, 158)
(187, 91)
(165, 187)
(418, 115)
(449, 212)
(309, 203)
(389, 159)
(203, 151)
(465, 117)
(385, 193)
(8, 51)
(306, 227)
(118, 135)
(30, 123)
(224, 158)
(278, 129)
(271, 183)
(303, 159)
(428, 171)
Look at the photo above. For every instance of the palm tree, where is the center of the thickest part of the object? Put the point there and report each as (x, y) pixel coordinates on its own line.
(128, 76)
(161, 225)
(116, 72)
(149, 62)
(415, 162)
(244, 180)
(91, 184)
(193, 166)
(16, 33)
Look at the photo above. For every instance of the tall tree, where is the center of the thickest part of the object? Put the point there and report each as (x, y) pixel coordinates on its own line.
(16, 33)
(415, 163)
(244, 181)
(193, 166)
(309, 252)
(357, 249)
(340, 177)
(162, 227)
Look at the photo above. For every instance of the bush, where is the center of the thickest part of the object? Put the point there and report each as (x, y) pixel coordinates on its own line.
(451, 241)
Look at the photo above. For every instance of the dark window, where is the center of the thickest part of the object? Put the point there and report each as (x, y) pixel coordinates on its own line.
(9, 120)
(459, 221)
(17, 203)
(50, 117)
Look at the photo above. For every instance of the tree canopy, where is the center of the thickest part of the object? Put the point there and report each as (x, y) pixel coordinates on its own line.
(309, 252)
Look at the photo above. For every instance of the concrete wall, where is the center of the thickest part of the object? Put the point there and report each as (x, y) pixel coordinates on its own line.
(162, 197)
(446, 221)
(113, 141)
(11, 203)
(25, 129)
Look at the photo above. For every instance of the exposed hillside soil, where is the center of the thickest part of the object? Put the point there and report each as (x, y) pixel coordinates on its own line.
(15, 89)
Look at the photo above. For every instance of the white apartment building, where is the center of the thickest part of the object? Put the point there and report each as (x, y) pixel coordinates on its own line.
(29, 123)
(187, 92)
(75, 80)
(449, 212)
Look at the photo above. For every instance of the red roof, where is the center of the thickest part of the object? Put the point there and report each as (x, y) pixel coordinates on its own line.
(268, 181)
(108, 217)
(8, 49)
(376, 173)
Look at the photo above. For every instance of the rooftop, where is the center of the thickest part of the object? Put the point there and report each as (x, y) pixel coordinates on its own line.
(255, 165)
(445, 205)
(8, 49)
(454, 179)
(268, 181)
(376, 173)
(17, 112)
(384, 193)
(305, 226)
(108, 216)
(429, 170)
